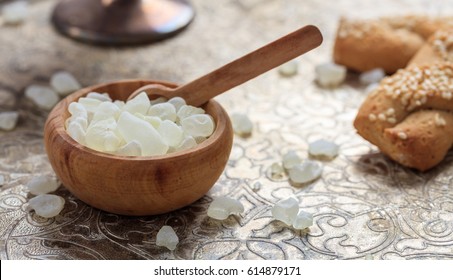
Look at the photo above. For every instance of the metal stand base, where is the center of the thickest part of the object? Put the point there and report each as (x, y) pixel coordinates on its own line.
(121, 22)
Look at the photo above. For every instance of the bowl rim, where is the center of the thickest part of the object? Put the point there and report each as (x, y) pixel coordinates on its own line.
(222, 122)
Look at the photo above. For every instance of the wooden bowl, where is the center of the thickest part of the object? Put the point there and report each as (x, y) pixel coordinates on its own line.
(131, 185)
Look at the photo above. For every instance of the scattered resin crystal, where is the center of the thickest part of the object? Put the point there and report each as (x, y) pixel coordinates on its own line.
(323, 148)
(166, 237)
(138, 127)
(8, 120)
(42, 185)
(305, 172)
(303, 220)
(276, 170)
(372, 76)
(242, 125)
(288, 69)
(44, 97)
(256, 186)
(15, 12)
(222, 207)
(286, 210)
(371, 87)
(291, 159)
(330, 75)
(46, 205)
(64, 83)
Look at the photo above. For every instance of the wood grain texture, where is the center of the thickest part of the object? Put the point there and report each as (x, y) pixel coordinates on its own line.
(244, 68)
(136, 185)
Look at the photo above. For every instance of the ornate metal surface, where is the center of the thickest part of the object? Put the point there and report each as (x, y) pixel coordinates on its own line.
(363, 204)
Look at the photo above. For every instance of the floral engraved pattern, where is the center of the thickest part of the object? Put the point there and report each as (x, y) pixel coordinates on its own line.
(363, 204)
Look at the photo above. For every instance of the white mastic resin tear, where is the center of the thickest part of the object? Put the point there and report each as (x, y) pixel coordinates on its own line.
(323, 148)
(8, 120)
(166, 237)
(42, 184)
(46, 205)
(15, 12)
(305, 172)
(330, 75)
(291, 159)
(64, 83)
(44, 97)
(138, 127)
(222, 207)
(286, 210)
(242, 125)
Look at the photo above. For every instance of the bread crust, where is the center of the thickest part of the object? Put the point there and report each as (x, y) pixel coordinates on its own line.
(409, 117)
(387, 43)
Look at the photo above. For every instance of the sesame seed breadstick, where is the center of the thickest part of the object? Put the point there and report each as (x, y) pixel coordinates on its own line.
(439, 47)
(387, 43)
(387, 120)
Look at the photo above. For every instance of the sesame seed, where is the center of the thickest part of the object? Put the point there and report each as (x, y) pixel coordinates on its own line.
(372, 117)
(402, 135)
(390, 111)
(391, 120)
(382, 117)
(439, 120)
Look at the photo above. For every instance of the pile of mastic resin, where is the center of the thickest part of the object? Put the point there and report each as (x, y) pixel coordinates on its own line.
(138, 127)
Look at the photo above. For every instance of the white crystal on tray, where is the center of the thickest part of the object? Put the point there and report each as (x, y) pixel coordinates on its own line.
(133, 128)
(290, 159)
(286, 210)
(242, 125)
(8, 120)
(46, 205)
(166, 237)
(372, 76)
(303, 220)
(198, 125)
(288, 69)
(44, 97)
(15, 12)
(276, 170)
(64, 83)
(330, 75)
(305, 172)
(323, 148)
(371, 87)
(43, 184)
(222, 207)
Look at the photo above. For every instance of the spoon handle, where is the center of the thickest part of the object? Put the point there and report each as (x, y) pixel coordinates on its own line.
(250, 66)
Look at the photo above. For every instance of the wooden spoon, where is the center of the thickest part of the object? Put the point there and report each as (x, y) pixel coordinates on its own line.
(240, 70)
